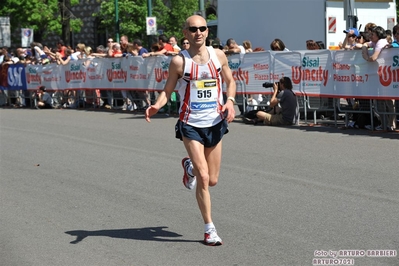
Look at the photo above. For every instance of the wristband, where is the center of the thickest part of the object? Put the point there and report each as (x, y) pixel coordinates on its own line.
(232, 99)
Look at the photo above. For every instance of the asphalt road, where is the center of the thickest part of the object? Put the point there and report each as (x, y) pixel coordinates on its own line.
(104, 188)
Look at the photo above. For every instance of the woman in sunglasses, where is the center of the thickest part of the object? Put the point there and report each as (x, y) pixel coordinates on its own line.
(184, 44)
(203, 116)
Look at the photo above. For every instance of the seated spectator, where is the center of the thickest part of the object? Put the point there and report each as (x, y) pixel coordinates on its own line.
(278, 45)
(44, 99)
(283, 96)
(233, 47)
(247, 46)
(164, 47)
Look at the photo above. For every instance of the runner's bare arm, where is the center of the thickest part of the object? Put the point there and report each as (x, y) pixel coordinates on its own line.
(175, 72)
(230, 85)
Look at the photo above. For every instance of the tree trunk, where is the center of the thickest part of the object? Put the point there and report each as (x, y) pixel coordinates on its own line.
(65, 7)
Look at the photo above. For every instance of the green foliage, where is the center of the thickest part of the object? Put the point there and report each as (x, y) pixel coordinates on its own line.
(211, 17)
(178, 13)
(133, 13)
(43, 16)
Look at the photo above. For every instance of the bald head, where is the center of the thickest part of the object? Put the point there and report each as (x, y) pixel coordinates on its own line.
(193, 20)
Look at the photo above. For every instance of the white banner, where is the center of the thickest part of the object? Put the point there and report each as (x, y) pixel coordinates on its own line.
(314, 73)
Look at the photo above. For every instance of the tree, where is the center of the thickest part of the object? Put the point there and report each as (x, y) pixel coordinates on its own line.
(43, 16)
(133, 13)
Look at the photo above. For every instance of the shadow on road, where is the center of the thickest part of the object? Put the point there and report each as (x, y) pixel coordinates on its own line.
(146, 233)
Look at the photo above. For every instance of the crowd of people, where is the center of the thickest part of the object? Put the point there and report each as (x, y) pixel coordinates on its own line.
(373, 37)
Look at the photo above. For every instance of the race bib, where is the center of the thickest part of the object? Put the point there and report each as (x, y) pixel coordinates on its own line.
(204, 94)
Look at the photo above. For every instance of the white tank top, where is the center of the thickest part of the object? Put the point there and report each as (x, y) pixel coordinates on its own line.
(200, 90)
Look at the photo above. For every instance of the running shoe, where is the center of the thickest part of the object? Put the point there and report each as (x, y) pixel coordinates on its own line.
(211, 238)
(189, 182)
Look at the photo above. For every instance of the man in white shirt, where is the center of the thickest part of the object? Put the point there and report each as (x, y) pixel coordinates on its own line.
(234, 48)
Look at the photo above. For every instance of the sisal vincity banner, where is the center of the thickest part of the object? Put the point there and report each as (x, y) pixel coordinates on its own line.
(321, 73)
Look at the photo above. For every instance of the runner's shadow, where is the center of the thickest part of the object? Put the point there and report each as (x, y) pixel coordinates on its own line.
(146, 233)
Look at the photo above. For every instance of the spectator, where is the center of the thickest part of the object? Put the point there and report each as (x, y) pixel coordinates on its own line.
(124, 42)
(164, 47)
(139, 49)
(101, 51)
(80, 52)
(278, 45)
(388, 33)
(248, 46)
(379, 42)
(61, 48)
(349, 42)
(369, 26)
(286, 98)
(395, 35)
(233, 47)
(110, 42)
(61, 61)
(38, 53)
(362, 38)
(312, 45)
(44, 99)
(115, 50)
(155, 47)
(216, 44)
(259, 49)
(185, 43)
(173, 42)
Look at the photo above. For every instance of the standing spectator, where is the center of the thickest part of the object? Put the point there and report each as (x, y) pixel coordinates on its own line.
(124, 43)
(233, 47)
(110, 42)
(395, 36)
(173, 42)
(164, 47)
(278, 45)
(379, 42)
(38, 53)
(349, 42)
(61, 48)
(312, 45)
(185, 44)
(115, 50)
(138, 46)
(248, 46)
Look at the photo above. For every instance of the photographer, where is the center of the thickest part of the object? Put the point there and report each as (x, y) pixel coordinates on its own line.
(44, 99)
(283, 95)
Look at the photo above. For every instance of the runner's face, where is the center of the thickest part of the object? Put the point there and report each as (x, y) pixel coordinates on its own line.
(198, 37)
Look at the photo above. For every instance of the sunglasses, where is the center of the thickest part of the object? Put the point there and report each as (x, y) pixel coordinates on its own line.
(186, 43)
(195, 29)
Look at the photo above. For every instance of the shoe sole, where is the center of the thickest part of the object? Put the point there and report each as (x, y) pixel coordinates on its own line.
(218, 243)
(185, 176)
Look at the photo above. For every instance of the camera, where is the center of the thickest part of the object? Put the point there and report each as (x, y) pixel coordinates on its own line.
(270, 85)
